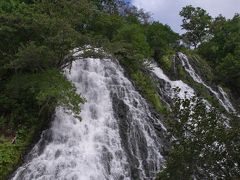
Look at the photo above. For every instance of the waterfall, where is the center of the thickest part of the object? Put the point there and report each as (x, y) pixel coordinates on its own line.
(226, 99)
(117, 139)
(185, 91)
(221, 97)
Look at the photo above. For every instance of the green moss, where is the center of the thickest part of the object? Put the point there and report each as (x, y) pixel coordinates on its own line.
(203, 67)
(148, 89)
(166, 61)
(182, 73)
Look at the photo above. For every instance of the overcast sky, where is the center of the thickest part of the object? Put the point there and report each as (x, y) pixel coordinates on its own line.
(167, 11)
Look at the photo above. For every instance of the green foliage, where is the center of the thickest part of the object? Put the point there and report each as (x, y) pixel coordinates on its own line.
(12, 154)
(48, 90)
(149, 90)
(161, 39)
(9, 5)
(106, 5)
(34, 31)
(32, 58)
(107, 25)
(133, 35)
(223, 51)
(205, 143)
(196, 21)
(166, 62)
(202, 67)
(229, 71)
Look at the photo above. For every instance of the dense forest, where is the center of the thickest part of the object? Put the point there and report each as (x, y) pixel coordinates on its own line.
(37, 42)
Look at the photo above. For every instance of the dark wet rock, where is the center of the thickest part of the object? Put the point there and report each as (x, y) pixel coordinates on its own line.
(107, 157)
(57, 154)
(93, 111)
(121, 112)
(133, 140)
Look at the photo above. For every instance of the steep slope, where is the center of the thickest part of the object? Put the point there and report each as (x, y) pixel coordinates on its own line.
(118, 137)
(171, 86)
(219, 94)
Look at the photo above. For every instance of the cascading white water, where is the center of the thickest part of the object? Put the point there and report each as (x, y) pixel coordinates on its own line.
(117, 138)
(226, 99)
(223, 100)
(185, 91)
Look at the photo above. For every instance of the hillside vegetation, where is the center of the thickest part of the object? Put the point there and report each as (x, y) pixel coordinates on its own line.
(37, 39)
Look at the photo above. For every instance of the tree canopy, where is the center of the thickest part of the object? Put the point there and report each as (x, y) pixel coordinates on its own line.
(222, 51)
(205, 143)
(196, 22)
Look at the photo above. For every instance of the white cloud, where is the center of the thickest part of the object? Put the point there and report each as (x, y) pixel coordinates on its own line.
(166, 11)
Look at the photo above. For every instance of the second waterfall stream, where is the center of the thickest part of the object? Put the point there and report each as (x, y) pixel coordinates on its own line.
(117, 139)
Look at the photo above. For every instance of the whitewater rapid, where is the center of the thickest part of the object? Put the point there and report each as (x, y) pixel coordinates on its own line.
(221, 96)
(117, 139)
